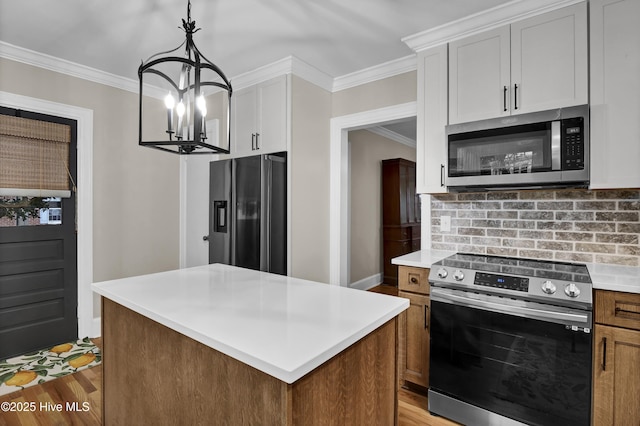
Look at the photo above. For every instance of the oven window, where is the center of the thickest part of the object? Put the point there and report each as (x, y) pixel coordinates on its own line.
(513, 150)
(529, 370)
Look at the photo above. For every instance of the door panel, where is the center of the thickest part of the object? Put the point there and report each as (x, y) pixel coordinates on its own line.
(549, 60)
(38, 274)
(479, 72)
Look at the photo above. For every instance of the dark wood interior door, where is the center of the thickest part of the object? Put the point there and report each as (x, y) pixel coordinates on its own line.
(38, 274)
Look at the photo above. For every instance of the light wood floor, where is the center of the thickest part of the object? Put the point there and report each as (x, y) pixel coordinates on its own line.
(85, 388)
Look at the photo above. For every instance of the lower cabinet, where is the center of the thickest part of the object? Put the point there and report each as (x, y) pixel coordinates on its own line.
(413, 333)
(616, 361)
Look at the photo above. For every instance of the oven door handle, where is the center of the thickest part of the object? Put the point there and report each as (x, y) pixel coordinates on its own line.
(521, 308)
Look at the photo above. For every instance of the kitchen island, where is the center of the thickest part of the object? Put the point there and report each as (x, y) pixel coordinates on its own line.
(218, 344)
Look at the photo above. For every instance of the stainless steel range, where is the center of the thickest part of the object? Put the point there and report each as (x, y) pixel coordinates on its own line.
(510, 341)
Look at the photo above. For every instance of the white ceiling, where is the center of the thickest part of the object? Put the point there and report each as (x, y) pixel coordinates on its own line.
(338, 37)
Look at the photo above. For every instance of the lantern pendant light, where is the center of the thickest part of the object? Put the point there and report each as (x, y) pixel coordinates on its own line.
(191, 81)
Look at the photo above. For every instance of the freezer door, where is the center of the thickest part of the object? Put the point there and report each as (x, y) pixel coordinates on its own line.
(220, 212)
(274, 215)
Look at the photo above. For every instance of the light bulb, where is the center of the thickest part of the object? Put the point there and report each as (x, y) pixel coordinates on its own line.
(180, 109)
(202, 104)
(169, 102)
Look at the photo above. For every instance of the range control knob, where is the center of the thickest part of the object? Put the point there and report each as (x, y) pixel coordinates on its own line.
(458, 275)
(442, 273)
(572, 290)
(548, 287)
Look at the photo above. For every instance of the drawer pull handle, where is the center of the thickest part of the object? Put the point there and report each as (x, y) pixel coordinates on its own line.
(604, 354)
(626, 311)
(414, 280)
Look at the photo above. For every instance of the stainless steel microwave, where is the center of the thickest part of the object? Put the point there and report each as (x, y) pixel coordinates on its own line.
(535, 150)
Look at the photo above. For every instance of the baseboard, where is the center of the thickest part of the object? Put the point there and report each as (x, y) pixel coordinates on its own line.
(367, 283)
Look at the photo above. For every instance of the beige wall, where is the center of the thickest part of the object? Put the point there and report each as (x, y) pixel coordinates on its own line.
(367, 150)
(311, 111)
(309, 180)
(390, 91)
(135, 189)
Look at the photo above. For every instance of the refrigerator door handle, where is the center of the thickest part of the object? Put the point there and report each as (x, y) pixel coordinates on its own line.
(265, 243)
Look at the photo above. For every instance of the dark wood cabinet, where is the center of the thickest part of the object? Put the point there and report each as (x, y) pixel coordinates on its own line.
(400, 214)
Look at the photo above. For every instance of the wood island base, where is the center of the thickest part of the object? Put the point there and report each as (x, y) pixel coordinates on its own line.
(155, 375)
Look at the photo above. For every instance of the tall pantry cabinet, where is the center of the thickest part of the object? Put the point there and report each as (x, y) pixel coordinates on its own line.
(400, 214)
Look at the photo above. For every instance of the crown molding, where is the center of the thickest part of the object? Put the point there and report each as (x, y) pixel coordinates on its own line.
(377, 72)
(394, 136)
(288, 65)
(483, 21)
(62, 66)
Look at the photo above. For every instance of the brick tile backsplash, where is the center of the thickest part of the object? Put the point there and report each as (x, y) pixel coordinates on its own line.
(564, 225)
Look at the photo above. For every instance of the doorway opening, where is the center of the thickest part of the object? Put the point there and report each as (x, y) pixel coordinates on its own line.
(339, 240)
(87, 324)
(381, 158)
(38, 271)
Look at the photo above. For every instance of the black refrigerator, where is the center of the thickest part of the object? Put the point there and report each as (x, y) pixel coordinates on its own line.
(248, 212)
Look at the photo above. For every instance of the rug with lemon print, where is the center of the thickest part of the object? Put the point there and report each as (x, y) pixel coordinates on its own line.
(39, 367)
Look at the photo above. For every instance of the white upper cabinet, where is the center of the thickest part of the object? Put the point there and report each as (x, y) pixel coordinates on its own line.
(531, 65)
(615, 93)
(479, 76)
(431, 149)
(549, 60)
(243, 118)
(259, 118)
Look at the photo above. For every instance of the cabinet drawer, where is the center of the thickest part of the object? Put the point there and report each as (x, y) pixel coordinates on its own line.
(413, 279)
(618, 309)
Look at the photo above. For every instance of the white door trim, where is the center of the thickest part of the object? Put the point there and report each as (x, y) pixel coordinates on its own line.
(84, 196)
(339, 181)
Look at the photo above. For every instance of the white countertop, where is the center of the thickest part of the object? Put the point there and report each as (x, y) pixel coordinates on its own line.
(283, 326)
(603, 276)
(422, 258)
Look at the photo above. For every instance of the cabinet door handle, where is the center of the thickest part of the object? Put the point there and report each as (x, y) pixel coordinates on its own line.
(515, 96)
(257, 140)
(441, 174)
(426, 317)
(604, 354)
(504, 98)
(253, 141)
(626, 311)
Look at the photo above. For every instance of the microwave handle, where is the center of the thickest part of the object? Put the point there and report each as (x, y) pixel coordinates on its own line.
(556, 142)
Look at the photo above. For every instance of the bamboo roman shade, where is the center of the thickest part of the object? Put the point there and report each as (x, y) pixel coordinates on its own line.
(34, 157)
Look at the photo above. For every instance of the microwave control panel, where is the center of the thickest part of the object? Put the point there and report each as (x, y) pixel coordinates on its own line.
(573, 144)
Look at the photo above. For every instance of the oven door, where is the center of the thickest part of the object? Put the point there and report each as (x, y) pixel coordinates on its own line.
(525, 361)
